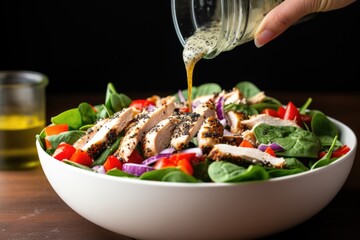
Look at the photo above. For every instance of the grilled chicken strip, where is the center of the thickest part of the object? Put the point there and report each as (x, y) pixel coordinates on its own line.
(191, 124)
(108, 132)
(233, 96)
(245, 155)
(143, 123)
(158, 137)
(209, 134)
(232, 140)
(234, 120)
(90, 133)
(267, 119)
(258, 98)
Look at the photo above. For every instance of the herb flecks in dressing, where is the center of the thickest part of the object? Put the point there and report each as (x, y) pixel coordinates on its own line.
(196, 47)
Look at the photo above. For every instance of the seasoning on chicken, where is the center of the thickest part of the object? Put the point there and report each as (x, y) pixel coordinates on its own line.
(191, 124)
(108, 133)
(142, 124)
(257, 98)
(234, 120)
(267, 119)
(209, 134)
(245, 155)
(234, 140)
(90, 133)
(158, 137)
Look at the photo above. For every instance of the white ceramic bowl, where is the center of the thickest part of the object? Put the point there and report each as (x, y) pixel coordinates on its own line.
(163, 210)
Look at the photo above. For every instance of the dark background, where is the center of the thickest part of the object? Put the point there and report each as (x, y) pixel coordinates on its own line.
(82, 46)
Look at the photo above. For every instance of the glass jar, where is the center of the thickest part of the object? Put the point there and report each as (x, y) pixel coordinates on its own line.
(217, 25)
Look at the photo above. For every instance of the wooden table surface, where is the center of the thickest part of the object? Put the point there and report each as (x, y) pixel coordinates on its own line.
(30, 209)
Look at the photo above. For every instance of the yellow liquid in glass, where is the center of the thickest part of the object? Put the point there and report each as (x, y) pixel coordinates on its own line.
(17, 141)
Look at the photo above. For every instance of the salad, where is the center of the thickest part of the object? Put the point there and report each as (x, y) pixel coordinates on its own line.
(232, 135)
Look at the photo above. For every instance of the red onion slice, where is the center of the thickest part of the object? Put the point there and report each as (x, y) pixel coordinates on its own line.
(195, 150)
(181, 96)
(274, 146)
(220, 108)
(155, 158)
(136, 169)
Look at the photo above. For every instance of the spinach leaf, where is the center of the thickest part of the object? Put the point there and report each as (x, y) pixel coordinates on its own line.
(207, 89)
(240, 107)
(222, 171)
(326, 141)
(326, 160)
(108, 151)
(201, 90)
(118, 101)
(72, 117)
(88, 115)
(69, 137)
(247, 88)
(293, 166)
(321, 125)
(168, 175)
(156, 175)
(178, 176)
(294, 163)
(201, 170)
(297, 142)
(76, 117)
(268, 102)
(115, 101)
(306, 105)
(75, 164)
(118, 173)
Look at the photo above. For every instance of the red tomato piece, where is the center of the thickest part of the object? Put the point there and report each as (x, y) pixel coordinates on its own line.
(184, 110)
(81, 157)
(179, 160)
(140, 104)
(340, 151)
(305, 118)
(135, 157)
(336, 153)
(246, 143)
(270, 151)
(292, 113)
(270, 112)
(112, 162)
(164, 162)
(54, 130)
(281, 112)
(63, 151)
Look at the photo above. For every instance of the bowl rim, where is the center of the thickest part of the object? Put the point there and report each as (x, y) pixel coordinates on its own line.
(136, 181)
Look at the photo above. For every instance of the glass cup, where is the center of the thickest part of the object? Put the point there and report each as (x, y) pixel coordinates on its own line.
(22, 116)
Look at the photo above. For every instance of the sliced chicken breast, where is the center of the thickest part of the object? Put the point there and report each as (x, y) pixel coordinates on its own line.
(90, 133)
(234, 120)
(267, 119)
(209, 134)
(158, 137)
(108, 132)
(257, 98)
(191, 124)
(143, 123)
(245, 155)
(234, 140)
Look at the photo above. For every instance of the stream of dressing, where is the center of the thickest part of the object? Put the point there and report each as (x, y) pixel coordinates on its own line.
(196, 47)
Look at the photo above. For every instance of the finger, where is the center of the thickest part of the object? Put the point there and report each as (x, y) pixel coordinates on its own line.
(281, 18)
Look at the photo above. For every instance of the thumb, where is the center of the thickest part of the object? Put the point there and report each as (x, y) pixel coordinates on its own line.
(281, 18)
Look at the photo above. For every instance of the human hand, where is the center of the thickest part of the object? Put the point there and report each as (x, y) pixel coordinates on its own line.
(289, 12)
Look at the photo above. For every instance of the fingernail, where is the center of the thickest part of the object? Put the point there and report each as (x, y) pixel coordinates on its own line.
(263, 38)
